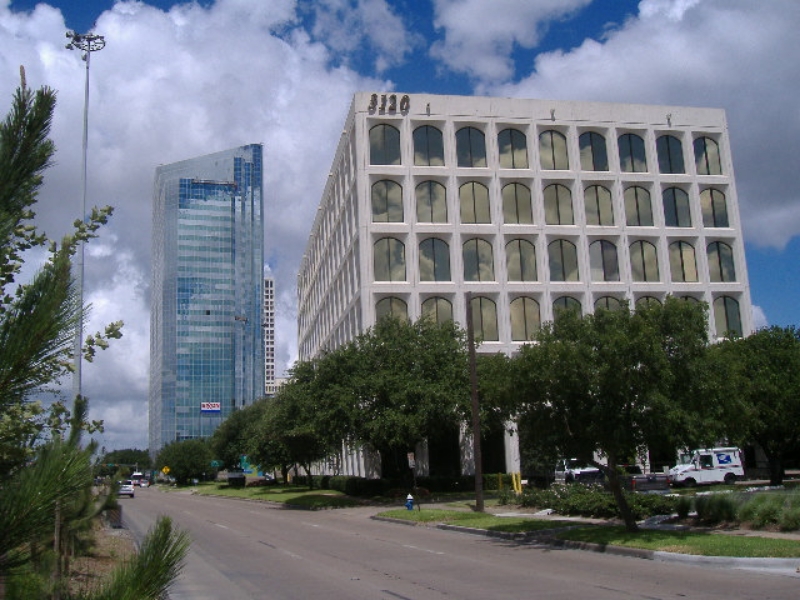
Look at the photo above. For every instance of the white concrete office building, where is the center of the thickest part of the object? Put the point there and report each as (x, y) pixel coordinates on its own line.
(530, 205)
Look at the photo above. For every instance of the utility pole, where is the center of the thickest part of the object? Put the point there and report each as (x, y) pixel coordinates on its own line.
(476, 416)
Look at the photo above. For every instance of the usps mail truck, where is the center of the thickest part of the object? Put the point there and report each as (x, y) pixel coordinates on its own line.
(709, 465)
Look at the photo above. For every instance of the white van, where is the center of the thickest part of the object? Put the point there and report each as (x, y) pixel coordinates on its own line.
(709, 465)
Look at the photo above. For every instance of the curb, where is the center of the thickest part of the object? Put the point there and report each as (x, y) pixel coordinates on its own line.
(546, 537)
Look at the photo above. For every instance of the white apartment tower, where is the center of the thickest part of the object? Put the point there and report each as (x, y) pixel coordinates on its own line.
(269, 337)
(530, 205)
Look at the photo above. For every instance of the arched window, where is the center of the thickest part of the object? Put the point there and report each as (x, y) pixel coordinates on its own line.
(431, 202)
(525, 318)
(594, 156)
(714, 207)
(644, 261)
(439, 309)
(564, 304)
(428, 147)
(607, 303)
(682, 262)
(553, 150)
(513, 149)
(603, 261)
(638, 207)
(484, 318)
(470, 147)
(599, 207)
(558, 205)
(387, 202)
(521, 260)
(389, 260)
(706, 156)
(720, 262)
(670, 154)
(727, 318)
(647, 301)
(474, 197)
(478, 260)
(391, 307)
(632, 158)
(676, 208)
(563, 260)
(517, 208)
(384, 145)
(434, 260)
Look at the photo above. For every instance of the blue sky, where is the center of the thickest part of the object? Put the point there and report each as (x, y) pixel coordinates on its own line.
(178, 80)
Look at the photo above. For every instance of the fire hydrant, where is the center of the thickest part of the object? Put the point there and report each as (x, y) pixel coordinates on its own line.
(410, 502)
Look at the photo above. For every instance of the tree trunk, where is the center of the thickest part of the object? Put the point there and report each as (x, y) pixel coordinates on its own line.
(615, 485)
(775, 468)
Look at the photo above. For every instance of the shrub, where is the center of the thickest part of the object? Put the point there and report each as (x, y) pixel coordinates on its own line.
(717, 508)
(683, 506)
(790, 519)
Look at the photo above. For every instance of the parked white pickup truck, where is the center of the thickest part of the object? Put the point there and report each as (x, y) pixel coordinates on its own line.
(709, 465)
(571, 470)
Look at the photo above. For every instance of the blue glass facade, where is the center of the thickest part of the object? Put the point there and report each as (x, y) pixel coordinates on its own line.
(206, 334)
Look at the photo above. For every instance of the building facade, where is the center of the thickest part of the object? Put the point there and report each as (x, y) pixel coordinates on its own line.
(529, 205)
(269, 337)
(206, 334)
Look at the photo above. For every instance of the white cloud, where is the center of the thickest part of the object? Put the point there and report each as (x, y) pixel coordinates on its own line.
(170, 86)
(479, 36)
(731, 54)
(759, 318)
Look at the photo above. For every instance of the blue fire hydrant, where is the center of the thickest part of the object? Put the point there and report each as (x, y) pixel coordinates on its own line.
(410, 502)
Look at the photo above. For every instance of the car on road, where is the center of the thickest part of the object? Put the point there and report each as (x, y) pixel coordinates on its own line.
(125, 488)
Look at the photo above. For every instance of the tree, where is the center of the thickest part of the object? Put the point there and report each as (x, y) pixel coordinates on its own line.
(127, 459)
(232, 438)
(187, 459)
(762, 380)
(607, 384)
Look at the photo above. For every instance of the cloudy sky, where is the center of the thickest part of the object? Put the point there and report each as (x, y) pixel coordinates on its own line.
(178, 80)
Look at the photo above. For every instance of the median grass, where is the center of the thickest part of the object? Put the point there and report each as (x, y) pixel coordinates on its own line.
(298, 497)
(701, 543)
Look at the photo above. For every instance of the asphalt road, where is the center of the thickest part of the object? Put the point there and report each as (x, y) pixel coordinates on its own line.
(244, 550)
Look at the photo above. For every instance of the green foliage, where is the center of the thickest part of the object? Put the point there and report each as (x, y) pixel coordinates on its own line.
(769, 509)
(594, 501)
(234, 437)
(129, 459)
(684, 506)
(188, 459)
(717, 508)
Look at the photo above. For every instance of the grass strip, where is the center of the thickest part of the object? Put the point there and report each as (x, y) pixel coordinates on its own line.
(476, 520)
(289, 495)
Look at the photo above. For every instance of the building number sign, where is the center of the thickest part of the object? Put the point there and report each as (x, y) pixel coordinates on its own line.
(388, 103)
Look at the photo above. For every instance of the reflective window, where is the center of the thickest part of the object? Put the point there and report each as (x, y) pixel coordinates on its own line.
(682, 263)
(525, 318)
(389, 260)
(391, 307)
(599, 207)
(632, 158)
(727, 318)
(434, 260)
(720, 262)
(470, 147)
(439, 309)
(603, 261)
(558, 205)
(521, 260)
(431, 202)
(387, 202)
(484, 319)
(474, 197)
(517, 208)
(553, 150)
(563, 260)
(670, 154)
(384, 145)
(706, 157)
(647, 301)
(714, 207)
(638, 208)
(644, 261)
(513, 149)
(478, 260)
(607, 303)
(428, 147)
(676, 208)
(564, 304)
(593, 152)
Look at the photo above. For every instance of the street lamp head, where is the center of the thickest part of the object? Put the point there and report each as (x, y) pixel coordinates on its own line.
(85, 42)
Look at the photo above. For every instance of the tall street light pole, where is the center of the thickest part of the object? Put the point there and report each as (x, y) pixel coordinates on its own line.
(86, 43)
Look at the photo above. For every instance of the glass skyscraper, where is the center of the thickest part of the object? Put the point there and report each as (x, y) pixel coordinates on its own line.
(206, 334)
